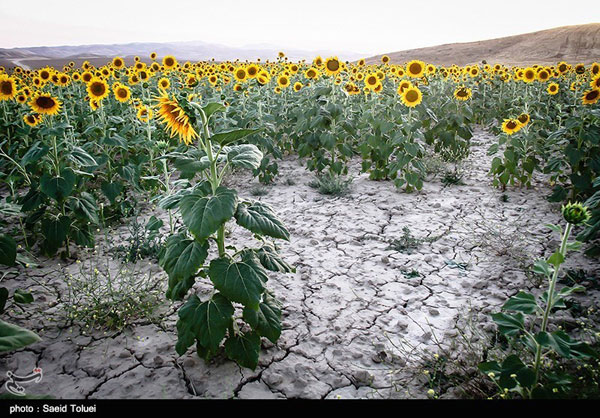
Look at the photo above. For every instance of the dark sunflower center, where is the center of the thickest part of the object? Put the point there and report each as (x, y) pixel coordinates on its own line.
(122, 93)
(411, 96)
(511, 125)
(333, 65)
(6, 87)
(592, 95)
(415, 68)
(98, 89)
(169, 61)
(45, 102)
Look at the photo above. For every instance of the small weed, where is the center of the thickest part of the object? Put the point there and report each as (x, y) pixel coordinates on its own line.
(143, 242)
(452, 179)
(259, 191)
(411, 274)
(407, 242)
(331, 185)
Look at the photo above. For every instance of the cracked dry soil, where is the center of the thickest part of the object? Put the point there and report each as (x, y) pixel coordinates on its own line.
(350, 300)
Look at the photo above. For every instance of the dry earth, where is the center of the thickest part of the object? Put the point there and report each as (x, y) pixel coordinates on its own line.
(351, 301)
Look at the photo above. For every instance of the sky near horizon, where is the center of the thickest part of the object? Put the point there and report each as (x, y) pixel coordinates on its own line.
(368, 27)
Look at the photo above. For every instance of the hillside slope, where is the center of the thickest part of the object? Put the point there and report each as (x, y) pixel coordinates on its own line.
(580, 43)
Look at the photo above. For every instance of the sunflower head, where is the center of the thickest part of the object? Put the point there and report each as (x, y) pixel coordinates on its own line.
(178, 116)
(415, 68)
(575, 213)
(8, 87)
(45, 104)
(97, 89)
(412, 96)
(510, 126)
(462, 93)
(333, 66)
(591, 96)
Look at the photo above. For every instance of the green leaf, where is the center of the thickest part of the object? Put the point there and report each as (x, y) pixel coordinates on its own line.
(85, 207)
(111, 190)
(259, 218)
(556, 259)
(154, 224)
(244, 349)
(82, 158)
(509, 324)
(245, 156)
(35, 153)
(3, 298)
(224, 138)
(271, 260)
(8, 250)
(13, 337)
(181, 258)
(58, 188)
(203, 215)
(522, 302)
(23, 297)
(542, 267)
(211, 108)
(55, 231)
(242, 281)
(206, 322)
(267, 319)
(559, 342)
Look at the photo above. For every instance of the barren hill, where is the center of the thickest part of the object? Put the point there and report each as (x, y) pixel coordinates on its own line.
(574, 44)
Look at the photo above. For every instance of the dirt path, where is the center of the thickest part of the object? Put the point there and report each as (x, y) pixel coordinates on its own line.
(351, 296)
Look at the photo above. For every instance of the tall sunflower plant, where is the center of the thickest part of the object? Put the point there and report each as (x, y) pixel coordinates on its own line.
(241, 310)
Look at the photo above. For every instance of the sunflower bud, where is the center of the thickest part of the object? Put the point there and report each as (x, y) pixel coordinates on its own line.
(575, 213)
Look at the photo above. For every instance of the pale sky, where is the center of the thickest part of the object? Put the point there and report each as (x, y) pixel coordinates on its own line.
(367, 26)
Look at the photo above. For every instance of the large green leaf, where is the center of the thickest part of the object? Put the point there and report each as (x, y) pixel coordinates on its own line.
(13, 337)
(259, 218)
(225, 138)
(271, 260)
(203, 215)
(509, 324)
(85, 207)
(522, 302)
(245, 156)
(206, 322)
(111, 190)
(211, 108)
(58, 188)
(55, 231)
(8, 250)
(242, 281)
(181, 259)
(244, 349)
(267, 319)
(82, 158)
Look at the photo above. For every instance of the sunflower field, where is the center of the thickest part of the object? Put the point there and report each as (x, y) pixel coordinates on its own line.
(79, 147)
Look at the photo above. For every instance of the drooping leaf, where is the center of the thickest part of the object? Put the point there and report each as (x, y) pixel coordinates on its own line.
(58, 188)
(509, 324)
(55, 231)
(181, 258)
(111, 190)
(206, 322)
(203, 215)
(266, 320)
(259, 218)
(23, 297)
(13, 337)
(8, 250)
(244, 349)
(271, 260)
(225, 138)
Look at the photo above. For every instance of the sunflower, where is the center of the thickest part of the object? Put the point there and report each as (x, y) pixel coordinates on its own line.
(404, 84)
(524, 119)
(529, 75)
(333, 66)
(240, 74)
(591, 96)
(45, 104)
(95, 104)
(33, 119)
(462, 93)
(385, 59)
(237, 87)
(87, 76)
(164, 83)
(283, 81)
(21, 98)
(118, 63)
(144, 114)
(361, 62)
(45, 73)
(412, 96)
(415, 68)
(318, 62)
(153, 56)
(8, 87)
(595, 83)
(312, 73)
(371, 81)
(169, 62)
(178, 121)
(552, 88)
(298, 86)
(97, 89)
(510, 126)
(122, 93)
